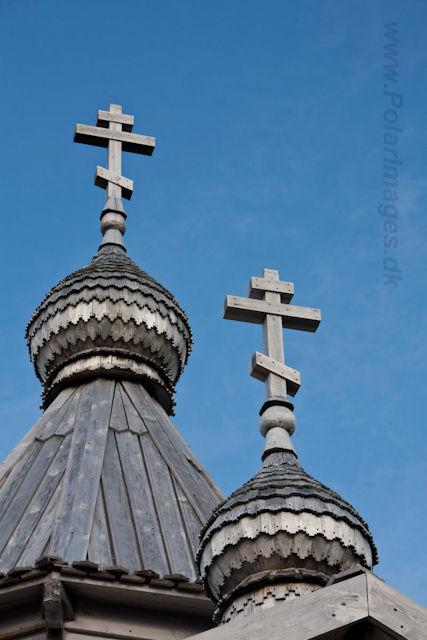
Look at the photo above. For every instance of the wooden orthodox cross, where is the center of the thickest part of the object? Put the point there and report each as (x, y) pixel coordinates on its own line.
(268, 304)
(113, 130)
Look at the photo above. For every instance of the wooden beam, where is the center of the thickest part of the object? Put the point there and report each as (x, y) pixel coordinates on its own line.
(105, 117)
(258, 286)
(57, 606)
(249, 310)
(261, 366)
(99, 137)
(104, 176)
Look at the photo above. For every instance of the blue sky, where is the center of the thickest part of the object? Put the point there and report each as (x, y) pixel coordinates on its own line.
(269, 124)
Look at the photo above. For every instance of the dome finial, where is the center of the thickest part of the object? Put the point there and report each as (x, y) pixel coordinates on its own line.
(268, 304)
(113, 130)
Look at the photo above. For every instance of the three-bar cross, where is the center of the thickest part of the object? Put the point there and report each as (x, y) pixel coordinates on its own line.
(113, 130)
(268, 304)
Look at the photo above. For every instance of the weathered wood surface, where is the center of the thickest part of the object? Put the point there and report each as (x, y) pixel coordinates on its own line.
(178, 463)
(110, 609)
(33, 433)
(250, 310)
(103, 176)
(306, 618)
(57, 606)
(100, 546)
(38, 504)
(99, 137)
(70, 537)
(17, 475)
(142, 503)
(95, 620)
(134, 420)
(261, 366)
(62, 417)
(192, 523)
(66, 424)
(39, 539)
(394, 612)
(112, 481)
(118, 420)
(105, 117)
(257, 287)
(175, 539)
(117, 506)
(114, 156)
(12, 515)
(267, 304)
(334, 610)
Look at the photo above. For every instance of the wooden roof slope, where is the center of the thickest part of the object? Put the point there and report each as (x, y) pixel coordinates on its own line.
(363, 607)
(104, 475)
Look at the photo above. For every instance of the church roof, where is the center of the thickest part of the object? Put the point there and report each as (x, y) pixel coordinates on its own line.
(104, 476)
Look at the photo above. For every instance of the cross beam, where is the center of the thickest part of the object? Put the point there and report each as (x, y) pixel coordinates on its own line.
(268, 304)
(113, 130)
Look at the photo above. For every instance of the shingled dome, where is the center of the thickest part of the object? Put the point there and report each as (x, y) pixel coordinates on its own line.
(109, 317)
(282, 526)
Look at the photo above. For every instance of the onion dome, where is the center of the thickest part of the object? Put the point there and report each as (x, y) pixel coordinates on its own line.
(281, 528)
(109, 317)
(283, 534)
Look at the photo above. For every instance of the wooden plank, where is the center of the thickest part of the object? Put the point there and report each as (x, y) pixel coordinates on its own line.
(17, 475)
(36, 508)
(249, 310)
(99, 549)
(126, 552)
(28, 488)
(70, 537)
(105, 117)
(118, 418)
(134, 421)
(141, 501)
(114, 158)
(37, 544)
(33, 433)
(179, 555)
(324, 611)
(104, 176)
(394, 612)
(177, 462)
(55, 421)
(261, 366)
(66, 424)
(258, 286)
(100, 137)
(192, 523)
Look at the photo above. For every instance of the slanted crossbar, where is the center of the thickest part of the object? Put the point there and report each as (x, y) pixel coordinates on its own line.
(268, 304)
